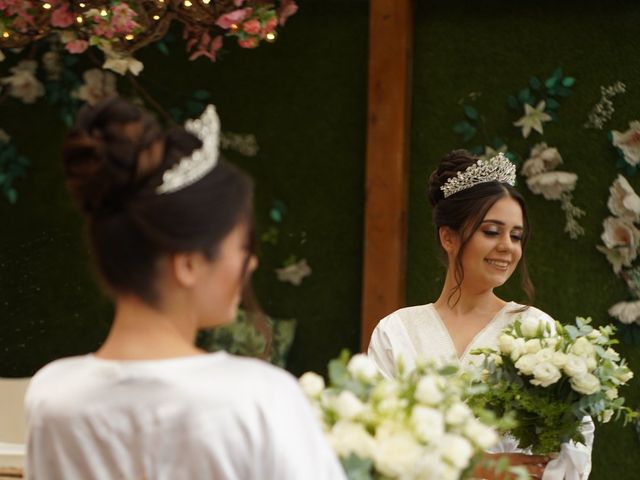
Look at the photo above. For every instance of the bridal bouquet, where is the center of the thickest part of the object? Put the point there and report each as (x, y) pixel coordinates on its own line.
(415, 426)
(551, 376)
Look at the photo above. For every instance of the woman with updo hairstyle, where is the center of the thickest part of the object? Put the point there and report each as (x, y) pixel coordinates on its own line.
(482, 228)
(170, 228)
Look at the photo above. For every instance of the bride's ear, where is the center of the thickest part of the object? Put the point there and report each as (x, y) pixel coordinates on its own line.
(449, 239)
(185, 268)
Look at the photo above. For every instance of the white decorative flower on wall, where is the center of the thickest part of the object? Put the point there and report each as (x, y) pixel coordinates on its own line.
(628, 142)
(552, 185)
(624, 202)
(542, 159)
(533, 118)
(23, 84)
(620, 238)
(626, 312)
(294, 273)
(97, 86)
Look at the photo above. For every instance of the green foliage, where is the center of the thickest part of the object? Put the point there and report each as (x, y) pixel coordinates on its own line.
(12, 167)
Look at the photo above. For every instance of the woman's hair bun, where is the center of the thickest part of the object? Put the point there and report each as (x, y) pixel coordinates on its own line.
(449, 166)
(102, 154)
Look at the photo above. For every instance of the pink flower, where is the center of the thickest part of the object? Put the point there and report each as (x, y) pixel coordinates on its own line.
(123, 18)
(210, 51)
(252, 27)
(237, 16)
(61, 17)
(77, 46)
(287, 8)
(238, 3)
(250, 42)
(271, 24)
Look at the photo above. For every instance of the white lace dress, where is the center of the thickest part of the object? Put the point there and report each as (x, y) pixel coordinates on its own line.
(419, 332)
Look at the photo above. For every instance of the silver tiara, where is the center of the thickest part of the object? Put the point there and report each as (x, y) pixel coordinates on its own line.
(192, 168)
(496, 169)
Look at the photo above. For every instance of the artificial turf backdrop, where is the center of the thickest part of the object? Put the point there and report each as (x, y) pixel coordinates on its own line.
(305, 99)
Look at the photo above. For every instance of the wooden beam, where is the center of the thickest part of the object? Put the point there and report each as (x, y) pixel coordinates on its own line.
(385, 236)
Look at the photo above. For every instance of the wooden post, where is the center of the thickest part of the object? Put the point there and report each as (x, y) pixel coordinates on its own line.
(385, 236)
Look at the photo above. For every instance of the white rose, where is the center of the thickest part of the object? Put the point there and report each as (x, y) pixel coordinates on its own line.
(591, 363)
(586, 384)
(386, 388)
(611, 394)
(312, 384)
(628, 142)
(620, 238)
(626, 312)
(624, 375)
(559, 359)
(23, 84)
(552, 185)
(397, 452)
(347, 437)
(542, 159)
(544, 355)
(612, 354)
(532, 346)
(583, 348)
(428, 423)
(527, 363)
(428, 391)
(575, 366)
(506, 343)
(432, 467)
(606, 416)
(97, 86)
(482, 435)
(361, 367)
(551, 342)
(518, 349)
(531, 326)
(624, 201)
(456, 450)
(347, 405)
(458, 413)
(545, 374)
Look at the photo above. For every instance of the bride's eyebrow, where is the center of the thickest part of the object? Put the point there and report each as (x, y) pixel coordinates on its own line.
(502, 224)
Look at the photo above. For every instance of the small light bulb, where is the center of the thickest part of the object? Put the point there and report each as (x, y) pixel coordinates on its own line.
(5, 34)
(187, 3)
(206, 2)
(271, 37)
(234, 27)
(46, 6)
(103, 12)
(79, 19)
(156, 17)
(82, 5)
(129, 37)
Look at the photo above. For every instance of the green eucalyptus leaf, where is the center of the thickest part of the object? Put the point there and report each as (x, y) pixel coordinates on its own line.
(535, 83)
(550, 82)
(462, 127)
(470, 112)
(568, 81)
(162, 47)
(469, 134)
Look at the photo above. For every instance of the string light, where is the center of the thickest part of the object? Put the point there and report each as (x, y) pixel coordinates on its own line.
(82, 5)
(234, 27)
(5, 34)
(206, 2)
(187, 3)
(103, 12)
(129, 37)
(156, 17)
(271, 37)
(46, 6)
(79, 19)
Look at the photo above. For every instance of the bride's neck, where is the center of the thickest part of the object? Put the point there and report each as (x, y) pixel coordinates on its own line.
(466, 299)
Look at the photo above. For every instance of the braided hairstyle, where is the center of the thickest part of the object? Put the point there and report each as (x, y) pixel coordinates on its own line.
(114, 159)
(464, 211)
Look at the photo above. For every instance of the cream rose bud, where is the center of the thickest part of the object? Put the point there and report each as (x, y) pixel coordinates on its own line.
(458, 413)
(545, 374)
(575, 366)
(612, 354)
(396, 453)
(428, 423)
(428, 391)
(518, 349)
(587, 384)
(527, 363)
(457, 450)
(624, 376)
(551, 342)
(606, 416)
(532, 346)
(592, 363)
(583, 347)
(385, 389)
(506, 343)
(559, 359)
(544, 355)
(347, 405)
(361, 367)
(348, 437)
(611, 394)
(482, 435)
(531, 326)
(312, 384)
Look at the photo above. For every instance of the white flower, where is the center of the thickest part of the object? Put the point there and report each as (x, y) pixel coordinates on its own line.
(551, 342)
(4, 136)
(544, 355)
(628, 142)
(119, 62)
(23, 84)
(517, 349)
(605, 416)
(506, 343)
(432, 467)
(458, 413)
(611, 394)
(397, 451)
(623, 201)
(559, 359)
(624, 375)
(386, 388)
(349, 437)
(586, 384)
(626, 312)
(575, 366)
(490, 152)
(552, 185)
(312, 384)
(482, 435)
(347, 405)
(620, 239)
(294, 273)
(526, 363)
(531, 326)
(361, 367)
(542, 159)
(583, 348)
(533, 118)
(545, 374)
(428, 391)
(532, 346)
(428, 423)
(456, 450)
(97, 86)
(611, 354)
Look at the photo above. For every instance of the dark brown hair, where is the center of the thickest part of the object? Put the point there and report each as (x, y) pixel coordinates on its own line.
(114, 160)
(464, 211)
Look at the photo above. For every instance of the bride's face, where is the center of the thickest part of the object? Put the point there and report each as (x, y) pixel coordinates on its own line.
(495, 248)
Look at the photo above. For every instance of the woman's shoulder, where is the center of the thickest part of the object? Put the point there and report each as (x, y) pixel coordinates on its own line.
(406, 314)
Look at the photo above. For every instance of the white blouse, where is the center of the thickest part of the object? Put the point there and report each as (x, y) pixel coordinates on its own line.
(212, 416)
(419, 332)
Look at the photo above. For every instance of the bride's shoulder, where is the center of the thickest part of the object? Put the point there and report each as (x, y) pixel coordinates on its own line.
(407, 314)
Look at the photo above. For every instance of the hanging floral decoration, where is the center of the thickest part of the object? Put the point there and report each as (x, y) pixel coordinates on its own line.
(537, 103)
(621, 239)
(627, 144)
(602, 111)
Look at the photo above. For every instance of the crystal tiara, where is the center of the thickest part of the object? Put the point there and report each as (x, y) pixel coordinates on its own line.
(496, 169)
(192, 168)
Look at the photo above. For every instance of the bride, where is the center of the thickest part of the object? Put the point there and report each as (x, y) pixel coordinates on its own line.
(482, 227)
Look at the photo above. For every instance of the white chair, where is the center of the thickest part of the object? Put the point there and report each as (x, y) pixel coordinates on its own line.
(13, 425)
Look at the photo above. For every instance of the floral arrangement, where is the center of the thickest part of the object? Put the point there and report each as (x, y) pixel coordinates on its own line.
(551, 376)
(627, 144)
(414, 426)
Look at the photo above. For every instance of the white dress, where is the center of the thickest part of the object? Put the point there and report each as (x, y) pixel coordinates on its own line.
(419, 332)
(212, 416)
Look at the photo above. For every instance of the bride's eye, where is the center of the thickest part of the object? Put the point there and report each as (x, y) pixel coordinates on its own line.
(516, 237)
(491, 233)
